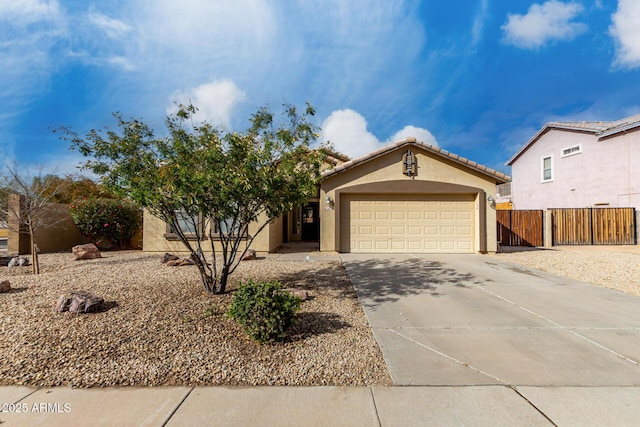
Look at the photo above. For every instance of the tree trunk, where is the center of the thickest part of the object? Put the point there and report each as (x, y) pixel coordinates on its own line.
(36, 259)
(35, 263)
(222, 282)
(205, 278)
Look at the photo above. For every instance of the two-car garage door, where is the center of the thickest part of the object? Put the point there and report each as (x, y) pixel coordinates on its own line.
(408, 223)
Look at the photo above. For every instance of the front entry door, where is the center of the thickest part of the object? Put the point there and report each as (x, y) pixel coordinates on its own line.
(310, 222)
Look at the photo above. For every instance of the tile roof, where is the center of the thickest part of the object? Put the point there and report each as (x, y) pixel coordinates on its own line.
(621, 126)
(498, 176)
(335, 154)
(599, 129)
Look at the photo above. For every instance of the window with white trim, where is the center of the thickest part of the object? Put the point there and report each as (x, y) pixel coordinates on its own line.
(547, 169)
(570, 151)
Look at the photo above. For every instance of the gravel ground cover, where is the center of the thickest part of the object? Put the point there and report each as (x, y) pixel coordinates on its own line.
(612, 267)
(160, 328)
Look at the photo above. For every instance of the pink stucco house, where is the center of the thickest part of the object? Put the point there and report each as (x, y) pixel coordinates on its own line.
(576, 165)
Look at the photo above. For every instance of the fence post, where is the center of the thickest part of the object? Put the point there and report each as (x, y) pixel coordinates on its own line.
(510, 228)
(637, 218)
(591, 225)
(547, 234)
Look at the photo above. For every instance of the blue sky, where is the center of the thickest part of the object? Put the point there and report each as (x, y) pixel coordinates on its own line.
(477, 78)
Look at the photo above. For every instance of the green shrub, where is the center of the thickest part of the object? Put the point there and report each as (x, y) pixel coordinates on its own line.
(110, 220)
(264, 310)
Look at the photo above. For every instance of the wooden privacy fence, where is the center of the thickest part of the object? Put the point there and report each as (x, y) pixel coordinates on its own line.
(594, 226)
(520, 227)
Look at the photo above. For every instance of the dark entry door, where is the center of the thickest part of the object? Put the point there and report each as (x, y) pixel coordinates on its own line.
(310, 221)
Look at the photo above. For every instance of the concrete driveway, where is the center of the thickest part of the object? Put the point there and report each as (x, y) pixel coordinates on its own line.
(472, 320)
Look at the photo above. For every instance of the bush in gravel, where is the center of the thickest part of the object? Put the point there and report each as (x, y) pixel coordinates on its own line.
(264, 309)
(115, 221)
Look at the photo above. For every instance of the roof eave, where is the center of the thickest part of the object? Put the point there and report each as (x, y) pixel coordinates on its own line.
(541, 132)
(615, 131)
(498, 176)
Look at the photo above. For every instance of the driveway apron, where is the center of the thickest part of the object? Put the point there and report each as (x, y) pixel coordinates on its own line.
(473, 320)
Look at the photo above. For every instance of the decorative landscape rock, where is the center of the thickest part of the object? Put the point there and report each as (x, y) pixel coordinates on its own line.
(169, 257)
(5, 286)
(18, 262)
(79, 302)
(249, 255)
(179, 262)
(300, 293)
(88, 251)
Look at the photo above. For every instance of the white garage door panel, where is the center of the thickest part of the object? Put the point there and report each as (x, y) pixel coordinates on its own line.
(420, 223)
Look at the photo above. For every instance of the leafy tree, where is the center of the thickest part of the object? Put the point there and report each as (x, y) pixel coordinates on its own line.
(210, 182)
(106, 219)
(72, 187)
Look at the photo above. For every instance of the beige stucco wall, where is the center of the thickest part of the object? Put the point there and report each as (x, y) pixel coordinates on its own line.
(275, 234)
(154, 240)
(60, 236)
(435, 175)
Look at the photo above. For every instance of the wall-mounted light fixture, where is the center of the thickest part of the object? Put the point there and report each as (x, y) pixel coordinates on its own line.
(330, 202)
(492, 202)
(409, 167)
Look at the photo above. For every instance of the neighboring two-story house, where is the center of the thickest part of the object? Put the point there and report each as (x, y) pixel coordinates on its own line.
(576, 165)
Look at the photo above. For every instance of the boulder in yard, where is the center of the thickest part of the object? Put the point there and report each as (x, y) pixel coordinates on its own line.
(169, 257)
(5, 286)
(179, 262)
(79, 302)
(300, 293)
(88, 251)
(18, 262)
(249, 255)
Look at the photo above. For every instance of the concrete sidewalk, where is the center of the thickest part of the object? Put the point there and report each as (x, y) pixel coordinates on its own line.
(321, 406)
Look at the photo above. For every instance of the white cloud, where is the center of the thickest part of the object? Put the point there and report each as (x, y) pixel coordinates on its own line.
(626, 33)
(418, 133)
(543, 23)
(120, 62)
(215, 101)
(347, 131)
(23, 12)
(478, 22)
(113, 28)
(191, 31)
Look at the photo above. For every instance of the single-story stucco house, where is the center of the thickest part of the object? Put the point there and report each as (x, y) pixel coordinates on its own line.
(407, 197)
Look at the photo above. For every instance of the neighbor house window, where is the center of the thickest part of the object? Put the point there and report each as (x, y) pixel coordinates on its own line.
(576, 149)
(547, 169)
